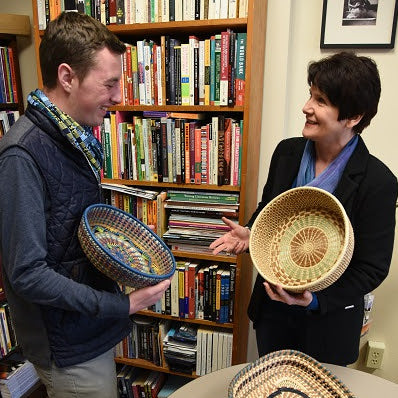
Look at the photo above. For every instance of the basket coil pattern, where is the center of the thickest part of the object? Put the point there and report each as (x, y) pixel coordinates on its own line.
(124, 248)
(287, 374)
(302, 240)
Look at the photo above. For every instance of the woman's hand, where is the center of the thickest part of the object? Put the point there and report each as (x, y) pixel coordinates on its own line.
(143, 298)
(235, 241)
(277, 293)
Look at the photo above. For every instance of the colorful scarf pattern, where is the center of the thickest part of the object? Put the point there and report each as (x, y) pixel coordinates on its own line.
(80, 137)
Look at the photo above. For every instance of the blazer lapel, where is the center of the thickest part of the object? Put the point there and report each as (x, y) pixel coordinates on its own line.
(352, 176)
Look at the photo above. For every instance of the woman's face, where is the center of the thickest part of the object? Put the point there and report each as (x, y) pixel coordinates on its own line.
(322, 124)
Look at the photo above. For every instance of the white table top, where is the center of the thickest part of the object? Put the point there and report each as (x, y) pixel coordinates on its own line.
(361, 384)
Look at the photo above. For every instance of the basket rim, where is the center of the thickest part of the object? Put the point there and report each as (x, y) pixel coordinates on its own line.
(293, 355)
(108, 253)
(348, 233)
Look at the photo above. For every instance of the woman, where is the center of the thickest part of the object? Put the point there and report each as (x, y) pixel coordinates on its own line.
(344, 94)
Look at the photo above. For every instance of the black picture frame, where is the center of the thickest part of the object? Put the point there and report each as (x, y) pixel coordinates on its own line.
(348, 25)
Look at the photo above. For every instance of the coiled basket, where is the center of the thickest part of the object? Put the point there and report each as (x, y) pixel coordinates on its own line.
(124, 248)
(287, 374)
(302, 240)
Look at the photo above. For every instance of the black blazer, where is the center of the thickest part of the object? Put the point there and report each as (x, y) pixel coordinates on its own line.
(368, 192)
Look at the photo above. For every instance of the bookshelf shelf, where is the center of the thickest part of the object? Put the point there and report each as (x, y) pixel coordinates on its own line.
(142, 363)
(208, 257)
(178, 108)
(255, 27)
(202, 187)
(186, 320)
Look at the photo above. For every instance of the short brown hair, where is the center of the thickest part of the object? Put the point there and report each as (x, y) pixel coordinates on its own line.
(74, 38)
(351, 83)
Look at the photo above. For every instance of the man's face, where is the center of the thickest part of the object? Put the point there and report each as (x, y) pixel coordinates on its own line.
(90, 98)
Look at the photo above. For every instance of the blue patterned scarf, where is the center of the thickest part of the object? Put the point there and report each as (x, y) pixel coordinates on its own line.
(80, 137)
(330, 177)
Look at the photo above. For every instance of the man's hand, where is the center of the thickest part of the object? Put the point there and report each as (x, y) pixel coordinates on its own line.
(277, 293)
(143, 298)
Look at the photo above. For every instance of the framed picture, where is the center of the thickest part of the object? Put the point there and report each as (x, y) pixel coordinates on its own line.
(359, 23)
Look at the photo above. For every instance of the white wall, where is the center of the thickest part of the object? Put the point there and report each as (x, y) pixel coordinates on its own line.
(292, 40)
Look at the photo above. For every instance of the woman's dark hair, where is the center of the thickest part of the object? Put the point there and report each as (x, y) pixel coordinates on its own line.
(352, 84)
(74, 38)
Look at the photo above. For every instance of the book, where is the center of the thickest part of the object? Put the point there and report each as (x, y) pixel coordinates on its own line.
(203, 197)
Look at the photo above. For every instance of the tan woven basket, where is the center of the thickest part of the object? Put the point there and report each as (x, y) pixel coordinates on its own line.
(302, 240)
(287, 374)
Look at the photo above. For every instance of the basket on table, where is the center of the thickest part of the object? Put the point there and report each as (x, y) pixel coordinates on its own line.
(286, 374)
(124, 248)
(302, 240)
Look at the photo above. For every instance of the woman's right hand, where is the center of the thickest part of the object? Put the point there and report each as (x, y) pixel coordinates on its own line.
(235, 241)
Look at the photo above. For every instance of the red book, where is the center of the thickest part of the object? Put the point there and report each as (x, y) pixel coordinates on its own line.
(192, 126)
(129, 76)
(227, 150)
(13, 75)
(112, 11)
(187, 154)
(198, 156)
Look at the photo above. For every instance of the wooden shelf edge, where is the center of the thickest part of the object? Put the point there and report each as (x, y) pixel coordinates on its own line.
(209, 257)
(176, 108)
(186, 320)
(154, 184)
(14, 24)
(142, 363)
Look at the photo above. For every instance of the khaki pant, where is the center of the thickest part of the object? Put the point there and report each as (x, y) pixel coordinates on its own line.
(92, 379)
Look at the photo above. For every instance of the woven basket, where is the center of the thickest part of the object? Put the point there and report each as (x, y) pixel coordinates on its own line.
(286, 374)
(302, 240)
(124, 248)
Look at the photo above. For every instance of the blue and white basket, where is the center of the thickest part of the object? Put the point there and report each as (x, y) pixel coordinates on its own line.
(123, 248)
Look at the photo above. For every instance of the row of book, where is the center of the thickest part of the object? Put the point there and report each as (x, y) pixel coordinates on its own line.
(200, 291)
(149, 211)
(7, 119)
(8, 339)
(8, 84)
(160, 148)
(179, 346)
(135, 382)
(201, 71)
(111, 12)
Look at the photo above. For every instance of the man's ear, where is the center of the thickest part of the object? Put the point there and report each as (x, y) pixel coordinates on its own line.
(66, 76)
(353, 121)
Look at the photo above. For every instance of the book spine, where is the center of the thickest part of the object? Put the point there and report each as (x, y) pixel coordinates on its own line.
(240, 69)
(198, 155)
(224, 63)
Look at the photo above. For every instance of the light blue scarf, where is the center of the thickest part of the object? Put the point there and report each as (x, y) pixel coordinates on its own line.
(330, 177)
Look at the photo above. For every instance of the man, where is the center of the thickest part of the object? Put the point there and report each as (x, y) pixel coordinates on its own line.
(67, 315)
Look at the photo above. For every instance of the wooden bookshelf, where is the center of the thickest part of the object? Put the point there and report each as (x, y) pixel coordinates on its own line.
(11, 26)
(250, 112)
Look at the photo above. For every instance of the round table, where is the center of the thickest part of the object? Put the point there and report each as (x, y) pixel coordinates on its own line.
(361, 384)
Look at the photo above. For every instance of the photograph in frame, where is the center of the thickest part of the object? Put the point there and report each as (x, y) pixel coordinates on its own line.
(359, 23)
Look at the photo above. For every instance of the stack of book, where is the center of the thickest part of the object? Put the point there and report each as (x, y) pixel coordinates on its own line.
(17, 380)
(194, 221)
(179, 347)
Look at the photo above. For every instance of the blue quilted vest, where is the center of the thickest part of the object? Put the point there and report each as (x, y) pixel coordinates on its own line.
(71, 186)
